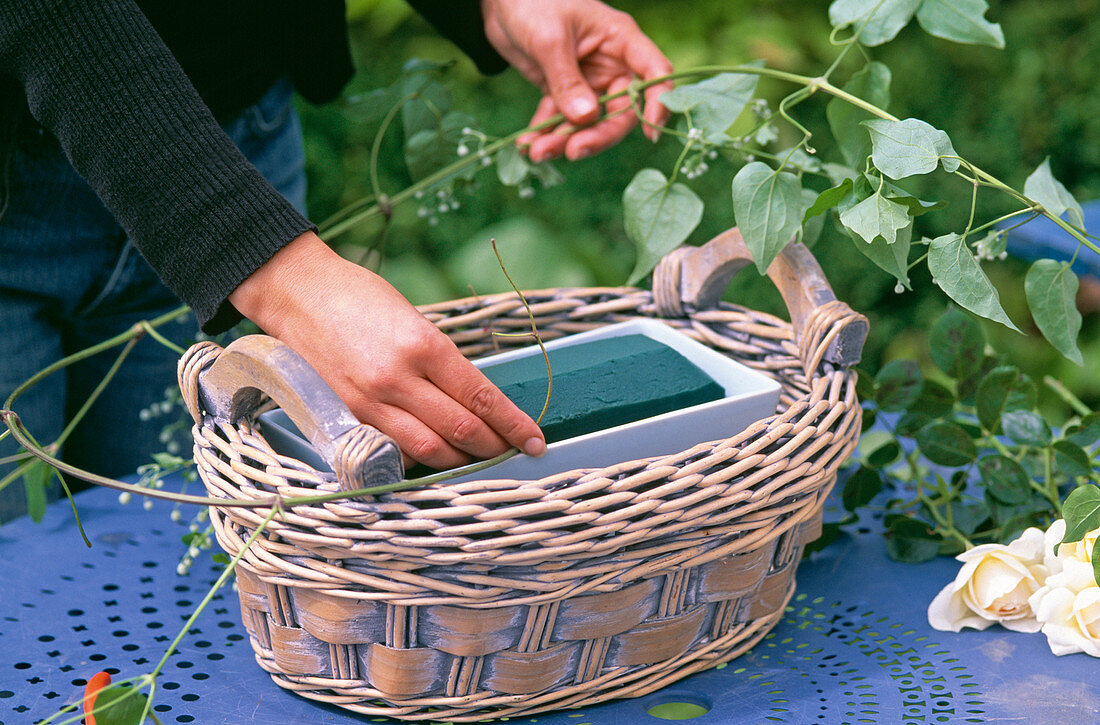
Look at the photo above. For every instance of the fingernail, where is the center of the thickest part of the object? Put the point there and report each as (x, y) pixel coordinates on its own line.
(582, 153)
(581, 107)
(535, 447)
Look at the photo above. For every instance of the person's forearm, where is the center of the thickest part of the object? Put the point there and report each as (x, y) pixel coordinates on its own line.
(272, 295)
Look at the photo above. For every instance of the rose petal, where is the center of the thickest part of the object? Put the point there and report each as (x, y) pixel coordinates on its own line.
(993, 579)
(979, 551)
(1028, 546)
(948, 613)
(1028, 624)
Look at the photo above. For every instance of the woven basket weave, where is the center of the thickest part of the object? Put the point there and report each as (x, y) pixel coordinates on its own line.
(501, 597)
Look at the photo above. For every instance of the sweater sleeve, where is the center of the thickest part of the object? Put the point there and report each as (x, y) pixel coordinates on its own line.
(97, 76)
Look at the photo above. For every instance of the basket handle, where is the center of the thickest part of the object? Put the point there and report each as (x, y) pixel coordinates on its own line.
(824, 328)
(229, 384)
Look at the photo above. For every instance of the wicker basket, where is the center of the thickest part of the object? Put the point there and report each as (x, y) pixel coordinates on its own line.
(500, 597)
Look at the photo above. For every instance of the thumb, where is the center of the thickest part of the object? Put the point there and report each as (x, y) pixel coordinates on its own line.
(567, 85)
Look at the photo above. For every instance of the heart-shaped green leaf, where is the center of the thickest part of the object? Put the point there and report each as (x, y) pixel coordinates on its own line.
(715, 103)
(1042, 187)
(1051, 289)
(962, 21)
(767, 205)
(908, 147)
(876, 216)
(659, 217)
(958, 274)
(875, 21)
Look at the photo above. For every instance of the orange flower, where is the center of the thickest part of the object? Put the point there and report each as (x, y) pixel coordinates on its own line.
(91, 690)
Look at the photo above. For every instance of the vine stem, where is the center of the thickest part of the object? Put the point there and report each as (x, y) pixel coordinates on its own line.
(1051, 485)
(94, 396)
(23, 437)
(488, 150)
(229, 570)
(151, 677)
(1064, 393)
(944, 526)
(812, 84)
(376, 147)
(121, 339)
(1006, 217)
(534, 333)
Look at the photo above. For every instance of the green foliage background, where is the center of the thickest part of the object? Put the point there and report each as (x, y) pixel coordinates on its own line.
(1005, 110)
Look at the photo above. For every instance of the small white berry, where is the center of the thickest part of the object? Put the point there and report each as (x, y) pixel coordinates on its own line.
(899, 288)
(147, 504)
(124, 497)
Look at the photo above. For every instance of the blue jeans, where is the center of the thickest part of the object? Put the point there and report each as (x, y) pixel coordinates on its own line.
(70, 278)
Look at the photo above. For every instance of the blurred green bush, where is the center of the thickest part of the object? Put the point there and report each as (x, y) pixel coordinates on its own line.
(1005, 110)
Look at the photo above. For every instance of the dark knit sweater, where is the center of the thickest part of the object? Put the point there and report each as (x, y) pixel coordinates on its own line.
(99, 77)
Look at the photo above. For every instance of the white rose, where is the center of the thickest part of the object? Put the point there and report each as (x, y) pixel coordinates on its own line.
(1075, 551)
(1068, 609)
(993, 585)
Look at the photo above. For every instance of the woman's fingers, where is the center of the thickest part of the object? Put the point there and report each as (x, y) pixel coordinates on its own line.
(469, 387)
(415, 438)
(617, 122)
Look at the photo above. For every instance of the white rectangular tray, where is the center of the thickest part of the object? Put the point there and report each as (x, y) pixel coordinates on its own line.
(749, 396)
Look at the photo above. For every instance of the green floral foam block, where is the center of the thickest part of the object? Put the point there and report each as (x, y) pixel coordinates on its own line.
(604, 383)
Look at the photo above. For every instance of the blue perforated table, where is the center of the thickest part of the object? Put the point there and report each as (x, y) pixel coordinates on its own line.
(854, 646)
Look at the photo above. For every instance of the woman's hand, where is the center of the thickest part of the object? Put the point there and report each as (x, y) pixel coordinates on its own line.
(576, 50)
(391, 366)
